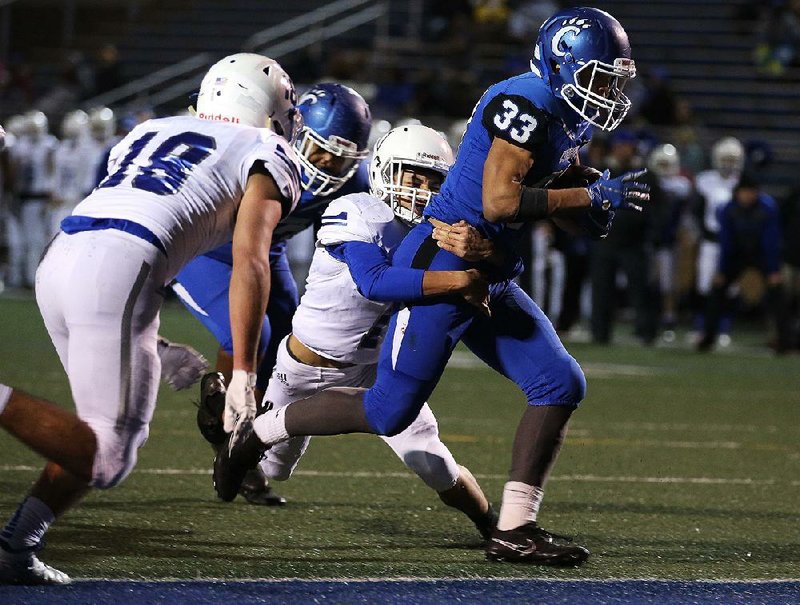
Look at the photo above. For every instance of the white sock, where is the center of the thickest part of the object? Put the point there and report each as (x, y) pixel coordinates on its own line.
(5, 395)
(520, 505)
(271, 427)
(28, 525)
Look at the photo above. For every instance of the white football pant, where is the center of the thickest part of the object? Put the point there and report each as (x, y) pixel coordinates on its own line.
(100, 293)
(419, 446)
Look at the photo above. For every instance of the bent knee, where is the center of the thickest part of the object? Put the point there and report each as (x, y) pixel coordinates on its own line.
(392, 405)
(116, 455)
(565, 384)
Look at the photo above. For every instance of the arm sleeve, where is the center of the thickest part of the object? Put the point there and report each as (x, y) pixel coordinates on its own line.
(275, 157)
(375, 277)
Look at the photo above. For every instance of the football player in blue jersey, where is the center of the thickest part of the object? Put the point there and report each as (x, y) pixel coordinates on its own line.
(331, 147)
(517, 163)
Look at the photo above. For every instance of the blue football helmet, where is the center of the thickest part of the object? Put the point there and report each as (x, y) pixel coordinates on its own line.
(585, 57)
(336, 120)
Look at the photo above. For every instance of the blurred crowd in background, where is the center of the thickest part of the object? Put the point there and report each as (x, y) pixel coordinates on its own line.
(712, 248)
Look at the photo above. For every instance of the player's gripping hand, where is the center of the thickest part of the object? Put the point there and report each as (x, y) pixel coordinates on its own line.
(476, 290)
(623, 192)
(240, 399)
(462, 239)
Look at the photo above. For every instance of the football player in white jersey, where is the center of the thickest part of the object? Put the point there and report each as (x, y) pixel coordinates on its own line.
(715, 189)
(73, 174)
(176, 188)
(34, 178)
(351, 291)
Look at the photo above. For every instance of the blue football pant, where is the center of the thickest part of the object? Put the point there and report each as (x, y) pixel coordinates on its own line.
(518, 341)
(203, 287)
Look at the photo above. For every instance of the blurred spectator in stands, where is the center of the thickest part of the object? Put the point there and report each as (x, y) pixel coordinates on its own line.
(659, 105)
(527, 16)
(749, 237)
(778, 33)
(665, 164)
(109, 71)
(442, 17)
(687, 136)
(790, 225)
(491, 18)
(73, 85)
(627, 248)
(715, 189)
(16, 86)
(394, 93)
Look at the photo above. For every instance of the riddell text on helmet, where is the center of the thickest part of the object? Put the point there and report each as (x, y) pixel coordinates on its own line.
(218, 117)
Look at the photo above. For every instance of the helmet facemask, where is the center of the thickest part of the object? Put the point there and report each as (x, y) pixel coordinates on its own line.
(400, 188)
(325, 181)
(597, 92)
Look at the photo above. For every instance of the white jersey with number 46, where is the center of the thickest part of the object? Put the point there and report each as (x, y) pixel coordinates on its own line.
(334, 319)
(182, 178)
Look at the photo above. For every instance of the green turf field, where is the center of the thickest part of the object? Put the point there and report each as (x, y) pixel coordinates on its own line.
(677, 466)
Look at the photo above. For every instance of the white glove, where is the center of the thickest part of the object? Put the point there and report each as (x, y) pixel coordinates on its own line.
(240, 399)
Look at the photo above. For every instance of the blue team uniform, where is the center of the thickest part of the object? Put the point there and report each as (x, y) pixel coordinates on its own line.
(518, 340)
(206, 279)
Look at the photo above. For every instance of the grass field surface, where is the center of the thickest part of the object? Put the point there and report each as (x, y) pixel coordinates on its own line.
(677, 466)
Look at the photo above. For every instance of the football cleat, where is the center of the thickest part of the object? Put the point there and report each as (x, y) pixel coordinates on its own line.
(530, 543)
(211, 408)
(256, 490)
(487, 524)
(26, 568)
(242, 453)
(181, 365)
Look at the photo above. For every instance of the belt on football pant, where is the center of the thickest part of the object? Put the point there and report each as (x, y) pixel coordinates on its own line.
(78, 224)
(300, 352)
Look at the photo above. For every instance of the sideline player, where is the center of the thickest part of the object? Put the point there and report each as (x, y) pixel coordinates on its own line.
(522, 129)
(176, 187)
(351, 291)
(331, 147)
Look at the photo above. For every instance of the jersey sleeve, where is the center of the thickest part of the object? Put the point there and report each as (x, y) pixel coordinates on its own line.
(343, 222)
(279, 160)
(515, 119)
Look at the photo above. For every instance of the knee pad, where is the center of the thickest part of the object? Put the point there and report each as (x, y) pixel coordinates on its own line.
(422, 451)
(394, 401)
(563, 384)
(117, 452)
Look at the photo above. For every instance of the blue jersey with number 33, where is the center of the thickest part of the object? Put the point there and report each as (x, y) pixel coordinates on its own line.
(522, 111)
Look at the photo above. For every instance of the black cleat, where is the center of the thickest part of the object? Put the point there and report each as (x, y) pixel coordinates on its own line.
(211, 408)
(487, 524)
(242, 453)
(530, 543)
(256, 490)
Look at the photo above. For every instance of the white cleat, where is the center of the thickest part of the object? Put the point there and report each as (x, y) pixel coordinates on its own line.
(181, 365)
(26, 568)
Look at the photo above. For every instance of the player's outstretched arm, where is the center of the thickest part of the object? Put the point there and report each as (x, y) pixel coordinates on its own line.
(258, 214)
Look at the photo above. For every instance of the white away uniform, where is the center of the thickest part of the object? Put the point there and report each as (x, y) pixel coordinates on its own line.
(34, 173)
(717, 191)
(335, 321)
(73, 178)
(173, 190)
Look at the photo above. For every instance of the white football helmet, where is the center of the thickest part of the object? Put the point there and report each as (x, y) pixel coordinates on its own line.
(664, 161)
(403, 148)
(16, 125)
(102, 123)
(253, 90)
(75, 124)
(36, 124)
(727, 156)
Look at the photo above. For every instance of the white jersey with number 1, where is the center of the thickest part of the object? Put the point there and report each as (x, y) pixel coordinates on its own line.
(183, 179)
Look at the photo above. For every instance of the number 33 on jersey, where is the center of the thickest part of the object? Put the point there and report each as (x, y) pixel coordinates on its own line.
(515, 119)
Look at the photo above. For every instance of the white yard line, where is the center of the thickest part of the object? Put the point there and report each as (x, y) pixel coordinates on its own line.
(409, 475)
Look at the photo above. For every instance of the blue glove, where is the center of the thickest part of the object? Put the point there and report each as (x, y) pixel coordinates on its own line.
(626, 191)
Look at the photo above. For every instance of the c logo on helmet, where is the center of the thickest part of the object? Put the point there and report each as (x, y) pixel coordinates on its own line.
(557, 39)
(574, 26)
